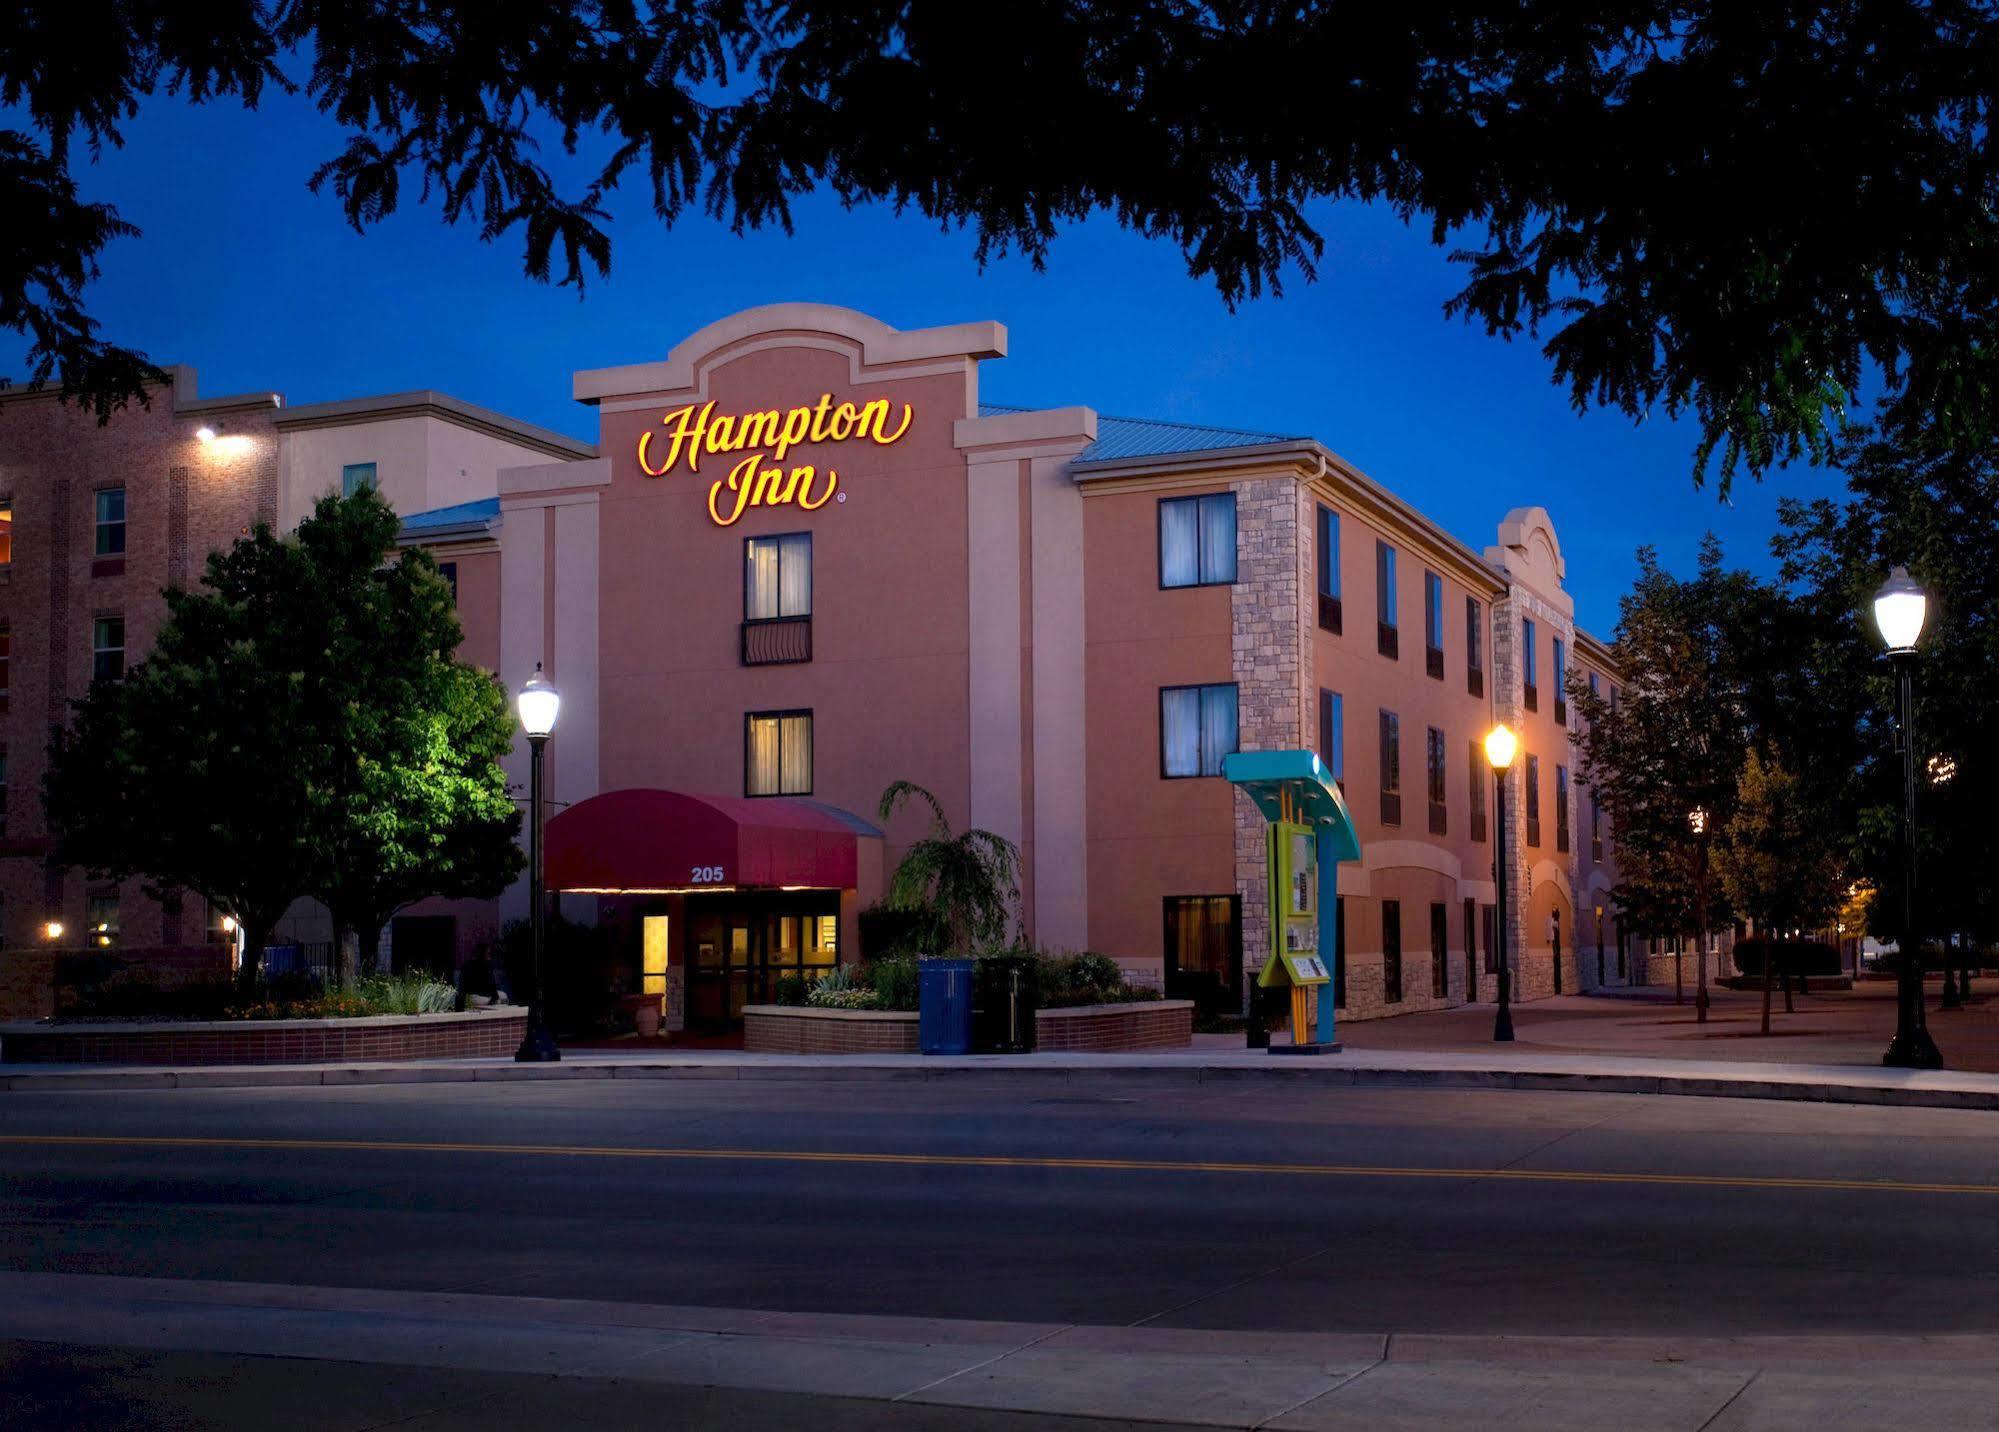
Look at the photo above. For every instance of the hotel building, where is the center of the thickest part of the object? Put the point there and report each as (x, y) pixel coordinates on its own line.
(804, 560)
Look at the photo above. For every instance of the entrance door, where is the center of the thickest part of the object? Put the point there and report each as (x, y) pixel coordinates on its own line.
(744, 964)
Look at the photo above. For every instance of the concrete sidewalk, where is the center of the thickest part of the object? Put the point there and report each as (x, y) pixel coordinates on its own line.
(1181, 1377)
(1207, 1062)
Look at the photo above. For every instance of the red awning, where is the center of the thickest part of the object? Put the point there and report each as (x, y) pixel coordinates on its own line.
(644, 840)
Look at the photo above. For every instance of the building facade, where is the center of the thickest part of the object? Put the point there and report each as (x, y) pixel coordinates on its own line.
(804, 560)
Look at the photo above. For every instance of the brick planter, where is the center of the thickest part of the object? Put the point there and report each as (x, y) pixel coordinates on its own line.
(267, 1041)
(787, 1029)
(1116, 1028)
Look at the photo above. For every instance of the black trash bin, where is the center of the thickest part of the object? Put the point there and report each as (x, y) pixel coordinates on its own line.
(1005, 996)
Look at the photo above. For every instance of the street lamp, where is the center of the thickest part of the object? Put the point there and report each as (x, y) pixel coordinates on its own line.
(538, 704)
(1599, 947)
(1500, 745)
(1697, 819)
(1899, 610)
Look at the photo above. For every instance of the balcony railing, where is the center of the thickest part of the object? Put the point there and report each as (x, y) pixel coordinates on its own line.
(1330, 617)
(777, 641)
(1531, 696)
(1388, 640)
(1561, 711)
(1433, 661)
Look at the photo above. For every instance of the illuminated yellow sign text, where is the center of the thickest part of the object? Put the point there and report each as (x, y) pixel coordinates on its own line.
(759, 478)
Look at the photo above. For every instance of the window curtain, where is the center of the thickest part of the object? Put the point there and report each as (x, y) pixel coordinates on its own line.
(763, 755)
(1179, 544)
(1218, 538)
(796, 755)
(760, 580)
(794, 576)
(1180, 730)
(1218, 727)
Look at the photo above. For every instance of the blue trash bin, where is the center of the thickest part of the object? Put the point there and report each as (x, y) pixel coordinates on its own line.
(944, 1006)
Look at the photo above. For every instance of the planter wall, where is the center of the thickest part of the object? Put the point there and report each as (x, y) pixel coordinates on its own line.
(473, 1034)
(786, 1029)
(1116, 1028)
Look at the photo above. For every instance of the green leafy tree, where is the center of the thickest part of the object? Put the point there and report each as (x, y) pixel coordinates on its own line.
(970, 881)
(1741, 212)
(190, 771)
(300, 727)
(1782, 859)
(418, 802)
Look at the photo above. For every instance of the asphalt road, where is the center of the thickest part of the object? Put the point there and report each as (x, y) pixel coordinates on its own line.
(1436, 1211)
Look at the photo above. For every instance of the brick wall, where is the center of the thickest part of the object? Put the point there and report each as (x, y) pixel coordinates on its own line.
(1115, 1028)
(317, 1041)
(183, 499)
(777, 1029)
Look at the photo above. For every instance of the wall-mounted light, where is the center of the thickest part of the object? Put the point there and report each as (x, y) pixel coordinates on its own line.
(52, 930)
(204, 434)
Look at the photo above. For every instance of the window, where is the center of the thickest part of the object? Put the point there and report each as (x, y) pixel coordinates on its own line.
(107, 648)
(1197, 727)
(1528, 668)
(1594, 690)
(1434, 752)
(1330, 618)
(1391, 768)
(1197, 540)
(1387, 638)
(777, 578)
(355, 476)
(1391, 951)
(1561, 808)
(1440, 953)
(6, 530)
(1475, 764)
(1595, 829)
(1204, 951)
(100, 919)
(1533, 800)
(1559, 669)
(449, 571)
(1339, 952)
(1433, 625)
(110, 522)
(777, 599)
(1474, 647)
(1333, 735)
(777, 753)
(654, 954)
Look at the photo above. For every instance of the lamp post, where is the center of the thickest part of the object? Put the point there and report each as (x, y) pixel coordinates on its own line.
(538, 704)
(1599, 948)
(1899, 610)
(1697, 819)
(1500, 745)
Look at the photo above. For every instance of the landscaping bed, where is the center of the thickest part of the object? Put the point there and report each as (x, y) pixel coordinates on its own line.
(804, 1029)
(475, 1033)
(1116, 1028)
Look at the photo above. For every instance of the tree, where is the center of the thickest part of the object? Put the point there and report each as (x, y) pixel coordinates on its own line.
(1742, 212)
(418, 802)
(1783, 862)
(190, 772)
(970, 880)
(301, 727)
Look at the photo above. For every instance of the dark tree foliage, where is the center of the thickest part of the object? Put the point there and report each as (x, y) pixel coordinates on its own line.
(1933, 511)
(1744, 212)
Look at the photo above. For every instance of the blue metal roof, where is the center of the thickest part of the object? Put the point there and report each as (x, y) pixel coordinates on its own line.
(463, 514)
(1154, 437)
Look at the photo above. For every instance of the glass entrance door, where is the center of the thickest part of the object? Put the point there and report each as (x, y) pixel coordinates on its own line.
(739, 947)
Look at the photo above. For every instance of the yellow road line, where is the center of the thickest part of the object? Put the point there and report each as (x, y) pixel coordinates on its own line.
(612, 1151)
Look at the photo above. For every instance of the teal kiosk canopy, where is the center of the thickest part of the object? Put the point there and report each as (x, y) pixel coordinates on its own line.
(1311, 833)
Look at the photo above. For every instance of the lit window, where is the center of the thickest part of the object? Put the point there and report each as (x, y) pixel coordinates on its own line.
(777, 753)
(652, 971)
(1197, 540)
(6, 531)
(1197, 727)
(110, 522)
(355, 476)
(100, 919)
(107, 648)
(777, 580)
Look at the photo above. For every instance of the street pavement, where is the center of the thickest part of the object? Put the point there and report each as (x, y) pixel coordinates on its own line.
(1214, 1254)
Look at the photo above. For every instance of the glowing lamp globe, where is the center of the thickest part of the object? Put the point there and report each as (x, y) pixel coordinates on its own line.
(538, 703)
(1500, 745)
(1899, 610)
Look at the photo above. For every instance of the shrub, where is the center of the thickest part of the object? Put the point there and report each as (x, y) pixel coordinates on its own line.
(791, 990)
(888, 933)
(1793, 956)
(844, 999)
(1070, 980)
(414, 993)
(895, 982)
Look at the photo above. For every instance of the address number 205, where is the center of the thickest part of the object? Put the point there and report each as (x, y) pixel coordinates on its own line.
(708, 875)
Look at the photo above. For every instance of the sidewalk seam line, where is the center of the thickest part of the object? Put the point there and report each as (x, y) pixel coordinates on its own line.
(1748, 1383)
(988, 1362)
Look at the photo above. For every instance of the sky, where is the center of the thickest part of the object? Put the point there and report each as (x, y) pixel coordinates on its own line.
(259, 284)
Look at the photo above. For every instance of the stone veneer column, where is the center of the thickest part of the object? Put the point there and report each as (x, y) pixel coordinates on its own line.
(1271, 623)
(1506, 709)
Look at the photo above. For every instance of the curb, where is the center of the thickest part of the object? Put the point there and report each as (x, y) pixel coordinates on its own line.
(1692, 1085)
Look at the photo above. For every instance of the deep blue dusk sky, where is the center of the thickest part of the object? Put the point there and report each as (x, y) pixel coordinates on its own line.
(259, 284)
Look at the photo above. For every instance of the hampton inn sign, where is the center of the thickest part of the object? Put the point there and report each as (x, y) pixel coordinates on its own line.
(768, 437)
